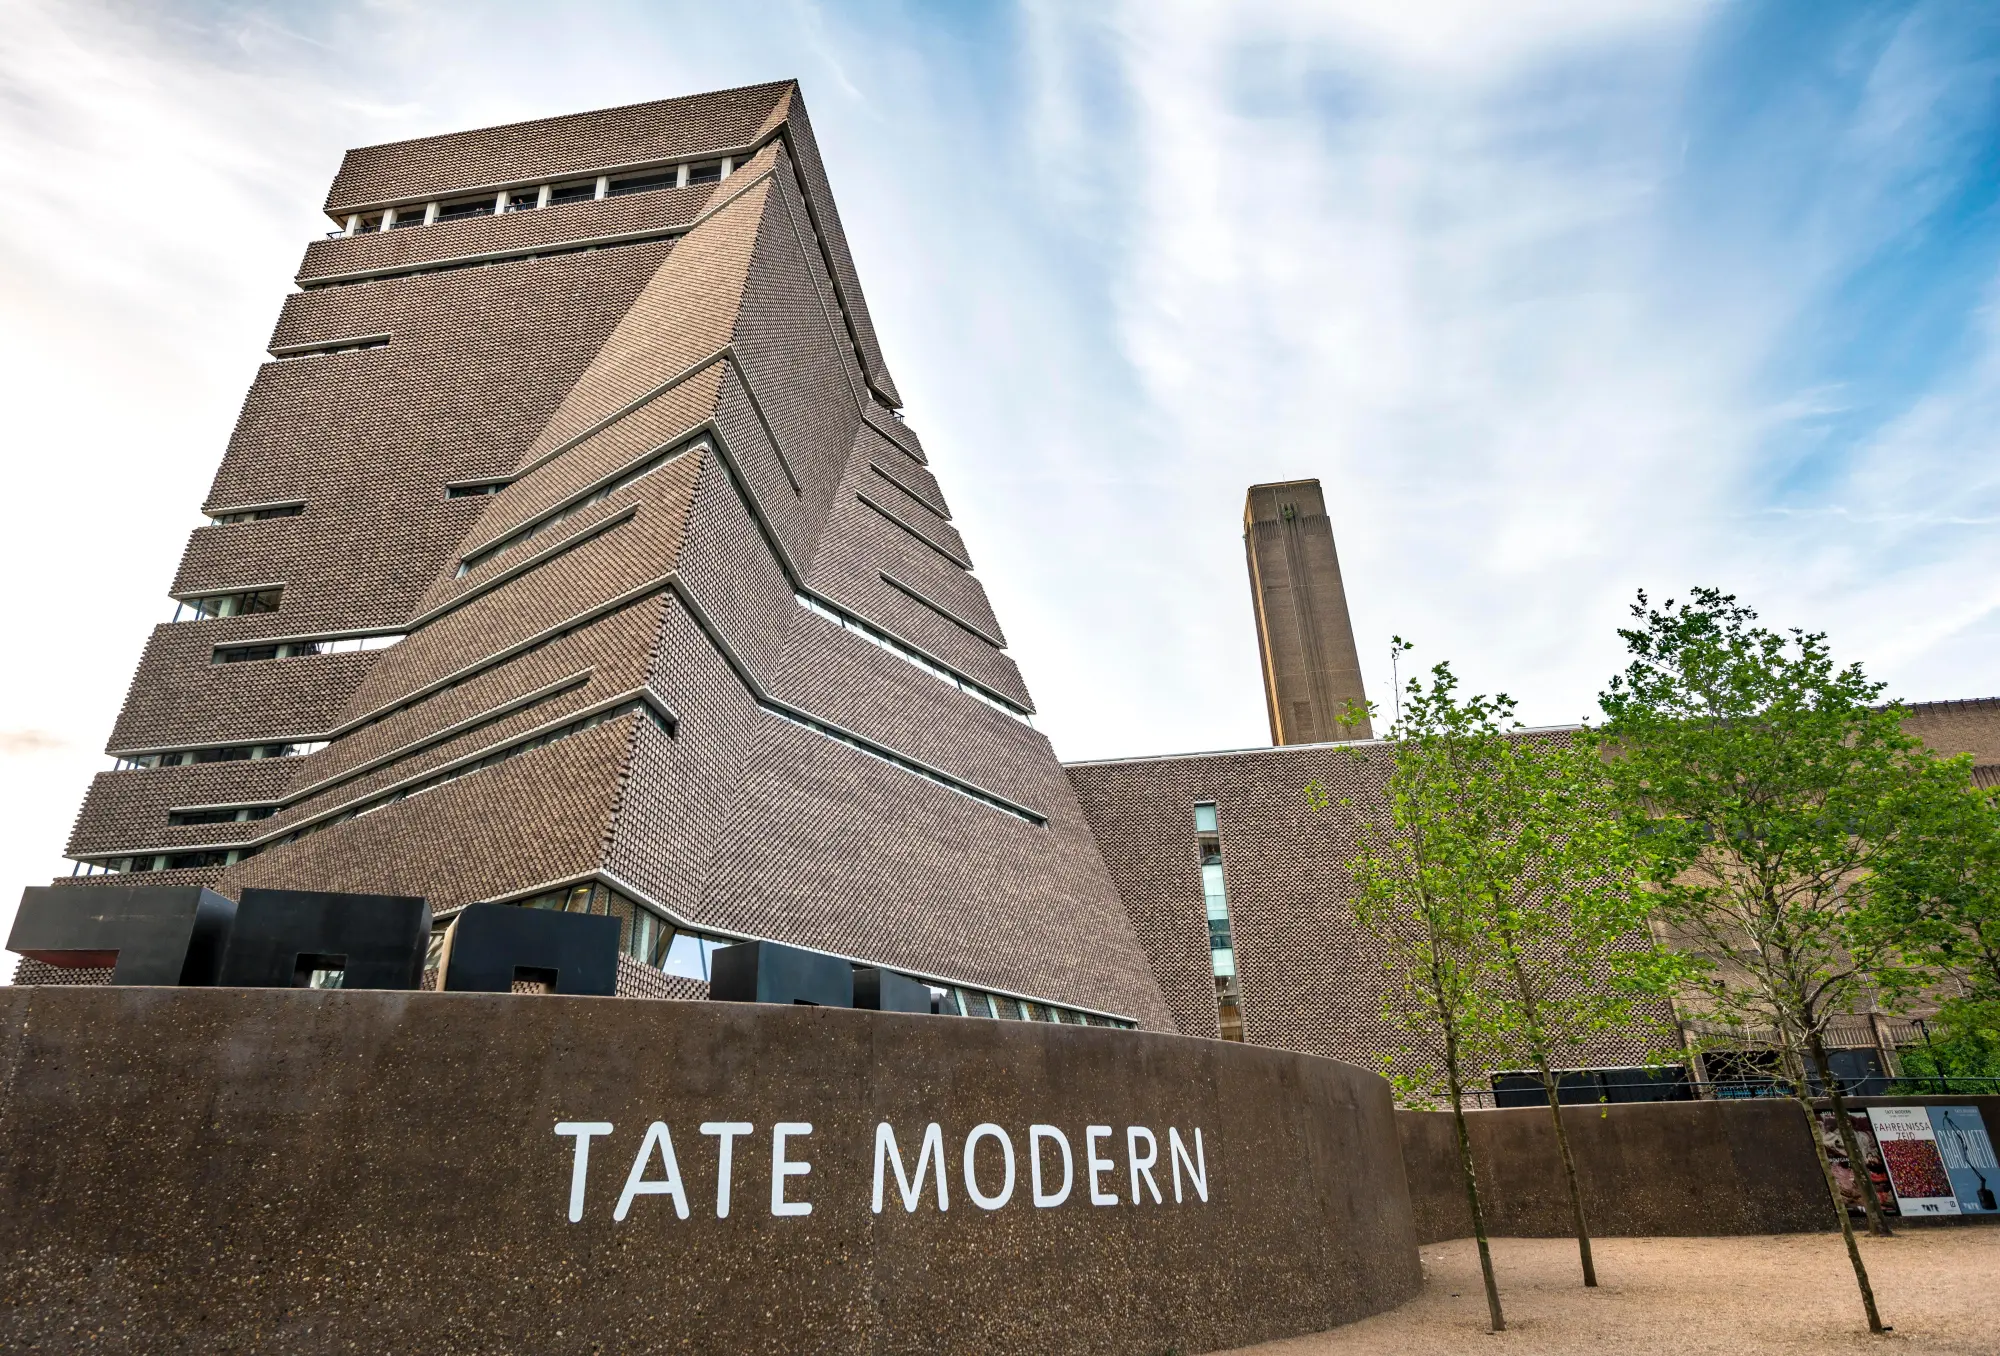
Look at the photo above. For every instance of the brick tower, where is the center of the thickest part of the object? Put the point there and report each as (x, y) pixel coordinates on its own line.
(572, 551)
(1312, 673)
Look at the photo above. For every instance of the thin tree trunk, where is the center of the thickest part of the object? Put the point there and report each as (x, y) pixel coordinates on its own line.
(1569, 1176)
(1871, 1205)
(1840, 1212)
(1471, 1182)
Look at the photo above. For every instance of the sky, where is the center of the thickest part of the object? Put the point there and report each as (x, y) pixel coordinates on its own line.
(1559, 301)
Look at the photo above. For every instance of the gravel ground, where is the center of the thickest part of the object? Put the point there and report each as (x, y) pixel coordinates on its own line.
(1939, 1288)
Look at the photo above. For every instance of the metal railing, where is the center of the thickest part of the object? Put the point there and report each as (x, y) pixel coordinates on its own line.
(1733, 1089)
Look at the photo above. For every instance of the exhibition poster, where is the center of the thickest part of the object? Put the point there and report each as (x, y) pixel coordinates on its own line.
(1967, 1151)
(1843, 1171)
(1916, 1168)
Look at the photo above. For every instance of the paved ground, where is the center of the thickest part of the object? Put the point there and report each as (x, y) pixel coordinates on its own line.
(1939, 1288)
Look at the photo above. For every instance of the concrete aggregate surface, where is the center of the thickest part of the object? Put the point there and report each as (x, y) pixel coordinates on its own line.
(1781, 1294)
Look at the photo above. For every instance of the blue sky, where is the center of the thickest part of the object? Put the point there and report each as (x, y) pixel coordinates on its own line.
(1559, 299)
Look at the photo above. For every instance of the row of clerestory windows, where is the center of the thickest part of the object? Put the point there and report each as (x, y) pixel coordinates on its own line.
(296, 648)
(910, 655)
(219, 753)
(260, 513)
(240, 603)
(170, 861)
(537, 197)
(220, 814)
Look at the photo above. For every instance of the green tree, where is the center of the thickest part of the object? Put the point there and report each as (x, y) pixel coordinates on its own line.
(1559, 905)
(1761, 781)
(1411, 893)
(1936, 898)
(1961, 1042)
(1501, 886)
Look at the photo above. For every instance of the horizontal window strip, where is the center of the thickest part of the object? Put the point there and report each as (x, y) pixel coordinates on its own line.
(912, 656)
(915, 596)
(219, 814)
(297, 647)
(909, 765)
(293, 352)
(645, 706)
(941, 549)
(610, 607)
(596, 494)
(506, 753)
(215, 753)
(472, 724)
(917, 495)
(488, 260)
(255, 513)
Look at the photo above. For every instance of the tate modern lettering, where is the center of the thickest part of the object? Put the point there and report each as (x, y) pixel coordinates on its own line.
(1134, 1166)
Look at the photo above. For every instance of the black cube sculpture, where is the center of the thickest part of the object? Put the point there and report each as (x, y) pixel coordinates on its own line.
(886, 991)
(489, 946)
(149, 934)
(765, 972)
(298, 938)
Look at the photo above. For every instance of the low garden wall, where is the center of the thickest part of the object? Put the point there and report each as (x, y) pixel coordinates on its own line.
(1646, 1169)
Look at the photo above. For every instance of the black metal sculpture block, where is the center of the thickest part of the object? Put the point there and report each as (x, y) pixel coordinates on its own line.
(150, 934)
(765, 972)
(886, 991)
(315, 938)
(489, 946)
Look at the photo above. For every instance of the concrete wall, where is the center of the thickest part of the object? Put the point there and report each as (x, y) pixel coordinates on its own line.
(317, 1171)
(1661, 1168)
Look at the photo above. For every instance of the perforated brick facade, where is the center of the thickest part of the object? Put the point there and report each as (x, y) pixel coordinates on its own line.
(605, 673)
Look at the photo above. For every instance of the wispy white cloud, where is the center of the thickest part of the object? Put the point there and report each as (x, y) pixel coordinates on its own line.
(1560, 298)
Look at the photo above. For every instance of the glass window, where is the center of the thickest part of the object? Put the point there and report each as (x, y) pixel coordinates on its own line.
(413, 215)
(1204, 818)
(523, 199)
(246, 603)
(475, 491)
(257, 515)
(646, 930)
(643, 183)
(466, 208)
(705, 174)
(686, 956)
(582, 192)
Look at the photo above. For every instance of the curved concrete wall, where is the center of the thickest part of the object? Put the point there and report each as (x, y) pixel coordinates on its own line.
(317, 1171)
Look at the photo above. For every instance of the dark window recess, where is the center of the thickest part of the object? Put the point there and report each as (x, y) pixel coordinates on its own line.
(475, 491)
(227, 814)
(247, 603)
(244, 654)
(643, 183)
(466, 210)
(408, 216)
(523, 200)
(233, 753)
(338, 346)
(257, 515)
(292, 649)
(705, 174)
(563, 193)
(176, 861)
